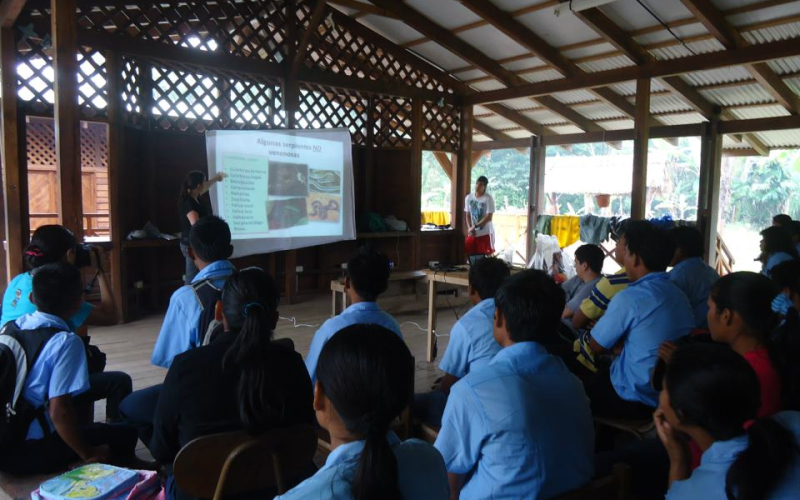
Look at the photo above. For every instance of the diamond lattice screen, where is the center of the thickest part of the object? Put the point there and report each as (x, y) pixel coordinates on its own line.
(324, 107)
(440, 127)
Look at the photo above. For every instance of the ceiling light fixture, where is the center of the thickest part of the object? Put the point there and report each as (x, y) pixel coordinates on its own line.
(579, 5)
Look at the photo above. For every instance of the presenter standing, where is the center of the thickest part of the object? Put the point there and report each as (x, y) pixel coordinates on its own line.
(478, 211)
(191, 209)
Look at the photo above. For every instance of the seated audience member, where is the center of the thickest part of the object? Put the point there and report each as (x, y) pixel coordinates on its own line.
(519, 427)
(365, 378)
(781, 220)
(367, 277)
(191, 310)
(472, 343)
(55, 439)
(690, 273)
(787, 276)
(650, 311)
(711, 394)
(594, 306)
(54, 243)
(776, 247)
(589, 269)
(242, 380)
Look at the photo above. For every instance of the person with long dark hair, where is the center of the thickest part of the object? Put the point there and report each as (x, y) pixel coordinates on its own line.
(776, 247)
(711, 394)
(242, 380)
(365, 378)
(191, 210)
(787, 276)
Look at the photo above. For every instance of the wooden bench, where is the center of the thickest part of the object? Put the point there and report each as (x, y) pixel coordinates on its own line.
(337, 287)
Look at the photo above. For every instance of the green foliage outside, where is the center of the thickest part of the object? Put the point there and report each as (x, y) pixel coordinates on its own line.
(435, 185)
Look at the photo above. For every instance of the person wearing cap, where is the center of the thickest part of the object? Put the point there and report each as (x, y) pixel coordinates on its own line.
(478, 212)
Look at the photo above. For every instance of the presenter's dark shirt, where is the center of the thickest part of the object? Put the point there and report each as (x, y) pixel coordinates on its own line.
(187, 205)
(200, 397)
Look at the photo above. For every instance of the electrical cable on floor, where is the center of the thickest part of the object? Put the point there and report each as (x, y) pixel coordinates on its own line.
(296, 324)
(666, 26)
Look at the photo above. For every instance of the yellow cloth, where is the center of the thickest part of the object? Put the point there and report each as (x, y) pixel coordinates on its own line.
(438, 218)
(567, 228)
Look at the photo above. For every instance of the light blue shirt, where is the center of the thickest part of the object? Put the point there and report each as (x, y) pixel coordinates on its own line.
(179, 332)
(59, 370)
(420, 473)
(707, 482)
(519, 427)
(774, 260)
(17, 302)
(695, 278)
(472, 344)
(650, 311)
(361, 313)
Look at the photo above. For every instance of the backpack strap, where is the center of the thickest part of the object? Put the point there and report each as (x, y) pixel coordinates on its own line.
(25, 346)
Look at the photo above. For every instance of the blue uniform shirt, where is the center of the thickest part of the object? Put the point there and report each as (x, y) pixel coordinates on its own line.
(361, 313)
(472, 344)
(774, 260)
(707, 482)
(179, 330)
(59, 370)
(519, 427)
(420, 473)
(695, 278)
(650, 311)
(17, 302)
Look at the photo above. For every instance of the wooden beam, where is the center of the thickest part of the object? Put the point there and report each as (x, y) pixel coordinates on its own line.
(708, 195)
(726, 33)
(302, 48)
(461, 184)
(757, 144)
(417, 123)
(490, 132)
(9, 11)
(760, 124)
(67, 115)
(443, 159)
(369, 157)
(570, 114)
(641, 143)
(714, 60)
(536, 196)
(503, 144)
(14, 196)
(516, 117)
(115, 148)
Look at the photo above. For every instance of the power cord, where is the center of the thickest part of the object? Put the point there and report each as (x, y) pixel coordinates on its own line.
(666, 26)
(294, 322)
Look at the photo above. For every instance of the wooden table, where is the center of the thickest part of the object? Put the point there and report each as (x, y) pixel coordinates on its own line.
(337, 287)
(458, 278)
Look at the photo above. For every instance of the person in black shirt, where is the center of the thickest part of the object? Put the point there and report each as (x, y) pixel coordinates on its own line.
(242, 380)
(191, 209)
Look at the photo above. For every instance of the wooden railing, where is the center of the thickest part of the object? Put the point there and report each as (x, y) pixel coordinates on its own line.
(89, 223)
(724, 260)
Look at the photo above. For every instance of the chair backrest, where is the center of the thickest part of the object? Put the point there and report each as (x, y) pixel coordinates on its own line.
(234, 462)
(613, 487)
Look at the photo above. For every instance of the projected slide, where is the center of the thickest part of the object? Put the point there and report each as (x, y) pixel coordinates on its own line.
(284, 189)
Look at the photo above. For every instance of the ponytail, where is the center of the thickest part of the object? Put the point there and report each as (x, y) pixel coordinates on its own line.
(759, 468)
(191, 181)
(49, 244)
(376, 476)
(367, 373)
(249, 303)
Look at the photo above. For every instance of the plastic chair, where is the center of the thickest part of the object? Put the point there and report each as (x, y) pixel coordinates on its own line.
(232, 463)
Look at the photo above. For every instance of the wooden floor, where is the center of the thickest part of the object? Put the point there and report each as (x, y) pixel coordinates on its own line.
(128, 348)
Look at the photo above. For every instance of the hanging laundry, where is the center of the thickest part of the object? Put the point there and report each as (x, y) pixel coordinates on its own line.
(567, 228)
(543, 224)
(594, 229)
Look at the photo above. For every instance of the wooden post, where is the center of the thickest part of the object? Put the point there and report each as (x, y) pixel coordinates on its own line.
(13, 195)
(67, 115)
(416, 178)
(710, 178)
(369, 157)
(461, 180)
(640, 144)
(115, 138)
(536, 197)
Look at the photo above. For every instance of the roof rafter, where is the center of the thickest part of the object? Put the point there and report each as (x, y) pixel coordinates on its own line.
(729, 36)
(9, 11)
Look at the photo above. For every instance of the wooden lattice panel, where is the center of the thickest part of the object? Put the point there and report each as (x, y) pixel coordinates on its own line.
(131, 77)
(440, 127)
(34, 51)
(41, 143)
(254, 28)
(392, 118)
(94, 146)
(92, 83)
(323, 107)
(336, 49)
(191, 99)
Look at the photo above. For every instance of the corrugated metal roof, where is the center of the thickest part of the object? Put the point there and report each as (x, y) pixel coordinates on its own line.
(487, 85)
(396, 31)
(447, 13)
(542, 76)
(682, 119)
(629, 88)
(600, 111)
(773, 33)
(545, 117)
(781, 139)
(678, 51)
(617, 125)
(740, 94)
(520, 103)
(769, 111)
(492, 42)
(606, 64)
(666, 103)
(566, 129)
(522, 64)
(794, 84)
(764, 15)
(687, 31)
(717, 76)
(497, 122)
(575, 96)
(592, 50)
(440, 56)
(557, 31)
(518, 134)
(785, 66)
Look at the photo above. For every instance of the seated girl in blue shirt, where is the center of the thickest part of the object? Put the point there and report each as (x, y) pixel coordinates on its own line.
(776, 247)
(365, 378)
(711, 394)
